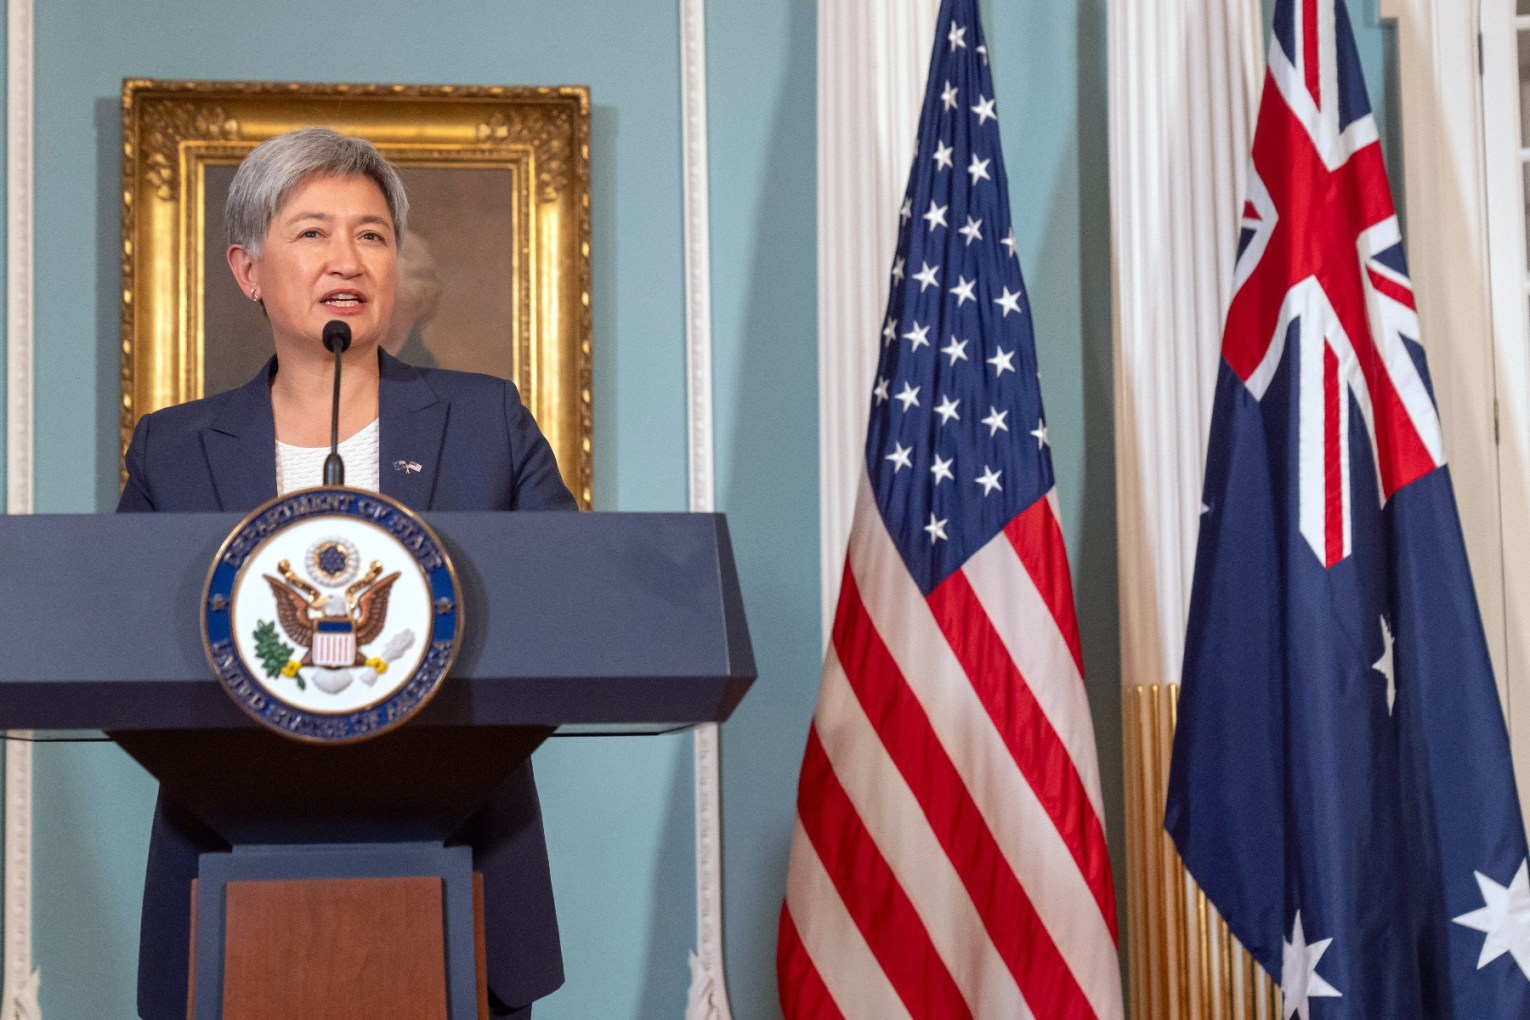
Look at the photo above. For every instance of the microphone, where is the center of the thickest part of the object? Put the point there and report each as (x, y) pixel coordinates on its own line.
(337, 338)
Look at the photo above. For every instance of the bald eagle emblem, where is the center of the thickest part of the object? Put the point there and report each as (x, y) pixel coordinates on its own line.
(335, 626)
(331, 626)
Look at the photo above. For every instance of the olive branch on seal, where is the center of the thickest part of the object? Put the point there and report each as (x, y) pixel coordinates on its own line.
(273, 652)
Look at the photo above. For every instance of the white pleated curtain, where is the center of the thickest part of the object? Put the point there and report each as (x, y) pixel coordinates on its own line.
(1184, 83)
(872, 59)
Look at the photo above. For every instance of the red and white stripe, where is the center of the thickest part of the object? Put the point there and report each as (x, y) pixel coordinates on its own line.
(334, 650)
(949, 857)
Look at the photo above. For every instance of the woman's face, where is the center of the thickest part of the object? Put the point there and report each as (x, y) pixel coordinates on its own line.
(330, 253)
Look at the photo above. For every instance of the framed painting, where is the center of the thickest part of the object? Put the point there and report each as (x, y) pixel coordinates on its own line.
(494, 274)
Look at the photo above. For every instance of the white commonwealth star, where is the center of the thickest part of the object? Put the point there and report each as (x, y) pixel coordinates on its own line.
(919, 335)
(909, 395)
(879, 394)
(956, 350)
(978, 169)
(947, 409)
(1505, 919)
(989, 480)
(948, 97)
(900, 457)
(1299, 979)
(1384, 664)
(957, 36)
(941, 469)
(1002, 361)
(995, 421)
(926, 276)
(936, 527)
(972, 230)
(1010, 302)
(936, 216)
(984, 111)
(963, 290)
(943, 156)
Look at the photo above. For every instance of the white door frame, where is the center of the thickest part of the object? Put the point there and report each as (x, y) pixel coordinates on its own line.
(1465, 218)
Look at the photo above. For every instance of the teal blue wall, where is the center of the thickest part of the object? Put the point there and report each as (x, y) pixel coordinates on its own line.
(763, 125)
(618, 810)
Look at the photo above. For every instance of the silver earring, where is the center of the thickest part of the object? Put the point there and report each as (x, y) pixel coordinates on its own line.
(255, 294)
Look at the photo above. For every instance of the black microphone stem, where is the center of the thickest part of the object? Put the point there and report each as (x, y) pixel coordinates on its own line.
(334, 467)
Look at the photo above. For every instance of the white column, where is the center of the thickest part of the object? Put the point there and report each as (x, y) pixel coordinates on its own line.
(20, 980)
(1184, 83)
(873, 56)
(1466, 247)
(1445, 211)
(707, 998)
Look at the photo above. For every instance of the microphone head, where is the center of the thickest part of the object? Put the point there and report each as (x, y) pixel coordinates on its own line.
(337, 336)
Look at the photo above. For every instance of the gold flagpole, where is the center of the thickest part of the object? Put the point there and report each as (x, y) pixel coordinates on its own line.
(1184, 963)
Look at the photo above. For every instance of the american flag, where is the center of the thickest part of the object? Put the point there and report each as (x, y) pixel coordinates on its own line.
(1341, 786)
(948, 858)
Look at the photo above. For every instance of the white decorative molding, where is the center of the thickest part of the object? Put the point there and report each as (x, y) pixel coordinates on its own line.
(1459, 79)
(19, 992)
(708, 996)
(698, 250)
(1479, 288)
(873, 56)
(1445, 211)
(1184, 83)
(21, 979)
(18, 284)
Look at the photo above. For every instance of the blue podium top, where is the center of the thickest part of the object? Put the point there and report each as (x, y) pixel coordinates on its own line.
(609, 621)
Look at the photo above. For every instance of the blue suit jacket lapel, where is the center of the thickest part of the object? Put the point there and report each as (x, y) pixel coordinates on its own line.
(413, 431)
(241, 446)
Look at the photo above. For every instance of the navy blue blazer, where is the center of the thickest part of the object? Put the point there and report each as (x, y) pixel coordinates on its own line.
(478, 448)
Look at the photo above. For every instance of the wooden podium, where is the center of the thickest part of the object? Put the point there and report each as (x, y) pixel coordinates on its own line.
(382, 939)
(341, 896)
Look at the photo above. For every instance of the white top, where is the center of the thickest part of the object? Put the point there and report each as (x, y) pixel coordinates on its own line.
(302, 467)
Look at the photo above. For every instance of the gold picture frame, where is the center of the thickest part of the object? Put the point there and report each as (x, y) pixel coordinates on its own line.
(500, 176)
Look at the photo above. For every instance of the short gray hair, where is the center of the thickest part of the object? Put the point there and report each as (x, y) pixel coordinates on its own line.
(278, 165)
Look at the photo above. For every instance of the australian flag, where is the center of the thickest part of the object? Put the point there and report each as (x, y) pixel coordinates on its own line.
(1341, 786)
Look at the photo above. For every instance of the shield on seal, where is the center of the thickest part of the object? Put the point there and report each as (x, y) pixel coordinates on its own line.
(334, 642)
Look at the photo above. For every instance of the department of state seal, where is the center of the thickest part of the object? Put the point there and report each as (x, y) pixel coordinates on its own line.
(332, 614)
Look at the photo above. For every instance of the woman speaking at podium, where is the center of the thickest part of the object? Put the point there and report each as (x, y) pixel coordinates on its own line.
(315, 221)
